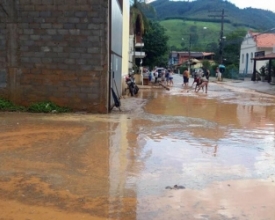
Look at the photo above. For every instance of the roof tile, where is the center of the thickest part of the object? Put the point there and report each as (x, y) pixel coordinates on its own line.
(265, 40)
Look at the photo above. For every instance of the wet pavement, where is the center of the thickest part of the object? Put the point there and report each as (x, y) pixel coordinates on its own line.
(167, 155)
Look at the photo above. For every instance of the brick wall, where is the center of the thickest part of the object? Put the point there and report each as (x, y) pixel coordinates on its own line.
(3, 52)
(58, 51)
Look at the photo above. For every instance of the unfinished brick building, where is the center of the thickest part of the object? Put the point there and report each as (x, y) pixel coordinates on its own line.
(60, 51)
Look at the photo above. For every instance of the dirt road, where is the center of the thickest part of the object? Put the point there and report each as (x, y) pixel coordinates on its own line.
(218, 146)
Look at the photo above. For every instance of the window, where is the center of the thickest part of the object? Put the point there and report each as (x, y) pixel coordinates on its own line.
(242, 58)
(251, 57)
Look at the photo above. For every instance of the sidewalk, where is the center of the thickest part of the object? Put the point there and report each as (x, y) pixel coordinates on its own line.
(258, 86)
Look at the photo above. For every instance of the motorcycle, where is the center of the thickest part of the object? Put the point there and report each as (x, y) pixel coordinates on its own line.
(132, 86)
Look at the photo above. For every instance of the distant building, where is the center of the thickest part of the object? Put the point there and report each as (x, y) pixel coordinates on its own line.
(178, 58)
(254, 43)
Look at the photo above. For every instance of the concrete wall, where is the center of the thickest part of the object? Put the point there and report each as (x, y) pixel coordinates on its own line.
(116, 50)
(131, 52)
(126, 32)
(248, 48)
(56, 50)
(125, 45)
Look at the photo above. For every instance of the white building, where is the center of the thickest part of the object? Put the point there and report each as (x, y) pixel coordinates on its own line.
(252, 44)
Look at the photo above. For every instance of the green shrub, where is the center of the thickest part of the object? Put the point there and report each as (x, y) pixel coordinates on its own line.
(182, 69)
(47, 107)
(6, 105)
(206, 64)
(231, 72)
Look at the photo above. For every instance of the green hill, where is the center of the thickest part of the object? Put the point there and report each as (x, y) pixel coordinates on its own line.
(184, 18)
(204, 10)
(203, 34)
(196, 25)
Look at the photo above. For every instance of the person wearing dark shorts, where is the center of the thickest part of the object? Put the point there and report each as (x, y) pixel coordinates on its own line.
(170, 78)
(185, 77)
(167, 76)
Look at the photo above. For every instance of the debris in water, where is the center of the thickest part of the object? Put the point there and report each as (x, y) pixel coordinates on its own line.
(175, 187)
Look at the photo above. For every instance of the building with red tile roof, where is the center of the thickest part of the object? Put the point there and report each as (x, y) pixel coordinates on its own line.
(264, 40)
(256, 50)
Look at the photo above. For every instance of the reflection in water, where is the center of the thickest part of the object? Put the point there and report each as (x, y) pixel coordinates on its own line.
(187, 131)
(219, 146)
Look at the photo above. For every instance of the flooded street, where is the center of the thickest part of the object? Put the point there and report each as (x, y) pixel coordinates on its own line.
(217, 148)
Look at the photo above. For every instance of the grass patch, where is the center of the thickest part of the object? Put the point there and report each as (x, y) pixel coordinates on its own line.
(6, 105)
(40, 107)
(47, 107)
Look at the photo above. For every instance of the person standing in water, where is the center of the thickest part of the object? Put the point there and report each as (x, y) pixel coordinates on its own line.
(185, 78)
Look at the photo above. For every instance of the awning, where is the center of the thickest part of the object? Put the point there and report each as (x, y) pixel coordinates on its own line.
(270, 56)
(194, 61)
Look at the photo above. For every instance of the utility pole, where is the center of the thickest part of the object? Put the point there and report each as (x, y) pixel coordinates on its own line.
(189, 54)
(222, 38)
(189, 51)
(189, 48)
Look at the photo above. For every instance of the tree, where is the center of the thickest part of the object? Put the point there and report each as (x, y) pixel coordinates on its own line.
(138, 21)
(206, 64)
(232, 46)
(137, 18)
(155, 45)
(174, 48)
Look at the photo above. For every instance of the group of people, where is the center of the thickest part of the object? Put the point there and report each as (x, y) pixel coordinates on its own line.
(158, 75)
(201, 79)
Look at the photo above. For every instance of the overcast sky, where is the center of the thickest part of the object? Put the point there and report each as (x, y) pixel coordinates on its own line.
(261, 4)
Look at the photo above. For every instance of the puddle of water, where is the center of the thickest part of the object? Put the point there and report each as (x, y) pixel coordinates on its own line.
(219, 146)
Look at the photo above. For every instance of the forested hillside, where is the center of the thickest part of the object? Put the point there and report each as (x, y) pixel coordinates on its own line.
(205, 10)
(197, 25)
(204, 35)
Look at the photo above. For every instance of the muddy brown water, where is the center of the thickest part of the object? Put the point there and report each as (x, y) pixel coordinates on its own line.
(219, 146)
